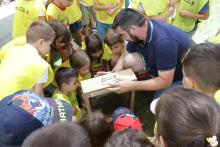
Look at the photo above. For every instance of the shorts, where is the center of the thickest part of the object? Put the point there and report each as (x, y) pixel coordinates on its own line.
(75, 26)
(86, 12)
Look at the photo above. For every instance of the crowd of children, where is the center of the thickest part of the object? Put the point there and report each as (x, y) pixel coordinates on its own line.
(59, 43)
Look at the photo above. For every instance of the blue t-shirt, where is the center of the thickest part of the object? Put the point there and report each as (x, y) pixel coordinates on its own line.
(163, 49)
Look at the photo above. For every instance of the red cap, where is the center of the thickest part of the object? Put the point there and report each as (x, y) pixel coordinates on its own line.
(126, 121)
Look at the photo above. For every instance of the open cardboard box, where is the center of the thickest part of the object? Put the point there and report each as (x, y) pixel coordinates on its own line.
(98, 86)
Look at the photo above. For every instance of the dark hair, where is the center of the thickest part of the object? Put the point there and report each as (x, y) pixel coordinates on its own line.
(93, 44)
(63, 75)
(186, 118)
(65, 134)
(39, 30)
(78, 59)
(128, 138)
(98, 128)
(112, 38)
(61, 31)
(202, 63)
(127, 17)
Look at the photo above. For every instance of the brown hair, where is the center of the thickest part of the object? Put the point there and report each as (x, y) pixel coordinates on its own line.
(93, 44)
(98, 128)
(186, 118)
(112, 38)
(65, 134)
(128, 138)
(39, 30)
(78, 59)
(61, 31)
(202, 63)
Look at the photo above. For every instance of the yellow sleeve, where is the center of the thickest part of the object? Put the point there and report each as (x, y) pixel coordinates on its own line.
(74, 13)
(107, 54)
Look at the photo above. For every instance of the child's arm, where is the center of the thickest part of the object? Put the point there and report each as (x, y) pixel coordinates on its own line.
(191, 15)
(203, 14)
(119, 65)
(102, 7)
(38, 89)
(118, 6)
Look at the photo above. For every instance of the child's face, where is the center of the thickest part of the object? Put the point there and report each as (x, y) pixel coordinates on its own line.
(72, 85)
(85, 69)
(97, 55)
(64, 49)
(116, 48)
(45, 47)
(67, 3)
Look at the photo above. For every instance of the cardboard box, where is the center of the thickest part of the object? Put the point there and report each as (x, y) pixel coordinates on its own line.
(98, 86)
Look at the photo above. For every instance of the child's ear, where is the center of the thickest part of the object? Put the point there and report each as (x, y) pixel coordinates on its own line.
(188, 82)
(163, 142)
(132, 29)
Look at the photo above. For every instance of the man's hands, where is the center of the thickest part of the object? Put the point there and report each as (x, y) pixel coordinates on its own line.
(122, 86)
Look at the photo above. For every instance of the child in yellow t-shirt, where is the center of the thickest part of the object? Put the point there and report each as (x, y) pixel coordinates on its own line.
(106, 12)
(24, 67)
(116, 44)
(80, 61)
(88, 14)
(99, 54)
(66, 79)
(57, 10)
(74, 15)
(26, 12)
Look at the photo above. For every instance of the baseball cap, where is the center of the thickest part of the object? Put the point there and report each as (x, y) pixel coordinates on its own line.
(24, 111)
(124, 118)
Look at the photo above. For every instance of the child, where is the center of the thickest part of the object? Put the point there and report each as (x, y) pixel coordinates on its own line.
(201, 68)
(80, 61)
(66, 79)
(99, 54)
(88, 11)
(23, 67)
(27, 11)
(128, 138)
(124, 118)
(99, 130)
(189, 13)
(116, 44)
(187, 118)
(62, 46)
(64, 134)
(57, 10)
(106, 12)
(74, 15)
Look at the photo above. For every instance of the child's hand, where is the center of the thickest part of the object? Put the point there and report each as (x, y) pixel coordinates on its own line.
(101, 73)
(111, 11)
(160, 17)
(74, 109)
(111, 6)
(185, 13)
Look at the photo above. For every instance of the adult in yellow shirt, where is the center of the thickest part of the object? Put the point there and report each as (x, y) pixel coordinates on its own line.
(26, 12)
(106, 12)
(23, 67)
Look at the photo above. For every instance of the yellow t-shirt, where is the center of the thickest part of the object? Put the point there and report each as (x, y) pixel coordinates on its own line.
(20, 41)
(74, 13)
(86, 2)
(102, 15)
(57, 13)
(26, 12)
(106, 56)
(217, 96)
(71, 99)
(21, 68)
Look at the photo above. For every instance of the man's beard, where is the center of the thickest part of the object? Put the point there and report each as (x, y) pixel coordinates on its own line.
(135, 39)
